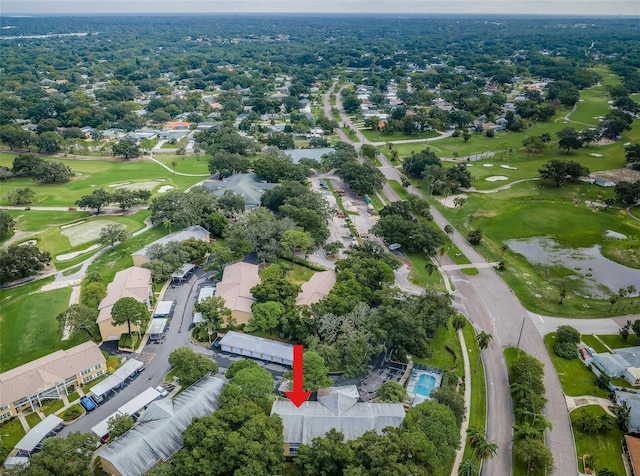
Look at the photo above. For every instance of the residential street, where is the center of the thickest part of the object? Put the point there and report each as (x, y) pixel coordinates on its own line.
(492, 307)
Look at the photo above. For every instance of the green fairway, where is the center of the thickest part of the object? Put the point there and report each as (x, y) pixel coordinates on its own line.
(94, 174)
(561, 213)
(29, 329)
(575, 377)
(63, 232)
(187, 164)
(605, 447)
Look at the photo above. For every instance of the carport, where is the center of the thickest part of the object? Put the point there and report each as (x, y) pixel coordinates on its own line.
(130, 367)
(163, 309)
(257, 348)
(47, 427)
(156, 329)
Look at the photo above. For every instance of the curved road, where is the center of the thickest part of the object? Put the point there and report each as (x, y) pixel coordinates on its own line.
(492, 307)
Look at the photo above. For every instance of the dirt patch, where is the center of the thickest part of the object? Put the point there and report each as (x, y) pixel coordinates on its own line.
(68, 256)
(618, 175)
(85, 232)
(148, 185)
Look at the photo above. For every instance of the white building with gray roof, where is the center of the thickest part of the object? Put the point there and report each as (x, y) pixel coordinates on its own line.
(334, 411)
(158, 433)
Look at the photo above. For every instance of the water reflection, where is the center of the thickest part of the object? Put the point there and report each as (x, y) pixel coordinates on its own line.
(600, 275)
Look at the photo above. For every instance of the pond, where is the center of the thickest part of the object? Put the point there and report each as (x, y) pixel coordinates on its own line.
(599, 275)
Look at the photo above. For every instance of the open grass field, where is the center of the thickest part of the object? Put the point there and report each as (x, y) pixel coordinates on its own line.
(561, 213)
(604, 447)
(419, 275)
(28, 326)
(615, 341)
(575, 377)
(12, 432)
(594, 343)
(92, 174)
(187, 164)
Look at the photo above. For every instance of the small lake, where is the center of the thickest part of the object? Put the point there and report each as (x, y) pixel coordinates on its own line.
(606, 276)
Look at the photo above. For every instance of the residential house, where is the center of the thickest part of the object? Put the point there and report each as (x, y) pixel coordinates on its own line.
(141, 257)
(132, 282)
(631, 451)
(235, 289)
(247, 185)
(334, 411)
(49, 378)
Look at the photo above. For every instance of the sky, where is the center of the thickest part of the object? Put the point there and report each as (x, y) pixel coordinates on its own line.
(517, 7)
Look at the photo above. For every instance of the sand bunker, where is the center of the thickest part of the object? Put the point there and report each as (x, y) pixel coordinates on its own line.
(487, 165)
(496, 178)
(68, 256)
(63, 227)
(119, 184)
(596, 155)
(165, 188)
(509, 167)
(148, 185)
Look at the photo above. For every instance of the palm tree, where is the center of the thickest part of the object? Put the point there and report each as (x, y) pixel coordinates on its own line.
(563, 294)
(468, 468)
(504, 248)
(430, 267)
(486, 450)
(448, 229)
(475, 435)
(458, 324)
(483, 340)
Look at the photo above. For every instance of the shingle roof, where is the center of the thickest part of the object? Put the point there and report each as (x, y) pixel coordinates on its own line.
(31, 378)
(335, 411)
(158, 434)
(316, 288)
(633, 446)
(236, 284)
(131, 282)
(195, 231)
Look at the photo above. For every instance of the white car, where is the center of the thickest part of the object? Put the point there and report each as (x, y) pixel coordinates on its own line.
(162, 390)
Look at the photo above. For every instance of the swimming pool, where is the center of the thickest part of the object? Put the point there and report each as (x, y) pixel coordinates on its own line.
(425, 385)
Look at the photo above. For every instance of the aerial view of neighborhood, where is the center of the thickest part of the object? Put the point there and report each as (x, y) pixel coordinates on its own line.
(319, 244)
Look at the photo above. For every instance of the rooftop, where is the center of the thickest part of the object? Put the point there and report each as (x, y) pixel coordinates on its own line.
(45, 372)
(158, 434)
(257, 345)
(235, 286)
(316, 288)
(335, 411)
(247, 185)
(195, 231)
(131, 282)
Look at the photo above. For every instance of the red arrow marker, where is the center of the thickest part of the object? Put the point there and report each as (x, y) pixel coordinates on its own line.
(298, 396)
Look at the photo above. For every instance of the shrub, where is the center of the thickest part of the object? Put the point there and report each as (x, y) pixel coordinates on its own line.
(566, 350)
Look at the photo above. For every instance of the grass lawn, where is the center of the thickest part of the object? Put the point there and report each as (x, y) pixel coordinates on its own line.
(575, 377)
(92, 174)
(28, 326)
(399, 189)
(419, 275)
(187, 164)
(615, 341)
(51, 406)
(297, 273)
(73, 396)
(13, 431)
(594, 343)
(605, 447)
(33, 419)
(478, 411)
(446, 353)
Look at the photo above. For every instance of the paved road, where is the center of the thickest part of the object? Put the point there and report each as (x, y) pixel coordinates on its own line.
(492, 307)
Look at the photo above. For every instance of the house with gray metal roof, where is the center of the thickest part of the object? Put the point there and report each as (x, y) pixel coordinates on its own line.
(257, 348)
(158, 434)
(334, 411)
(246, 185)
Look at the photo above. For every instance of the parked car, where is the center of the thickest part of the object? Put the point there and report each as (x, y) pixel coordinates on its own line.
(87, 404)
(162, 390)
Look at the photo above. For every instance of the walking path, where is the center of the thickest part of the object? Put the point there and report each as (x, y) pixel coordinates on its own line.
(581, 401)
(467, 402)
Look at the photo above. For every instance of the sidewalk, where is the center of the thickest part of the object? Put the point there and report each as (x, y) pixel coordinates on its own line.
(467, 403)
